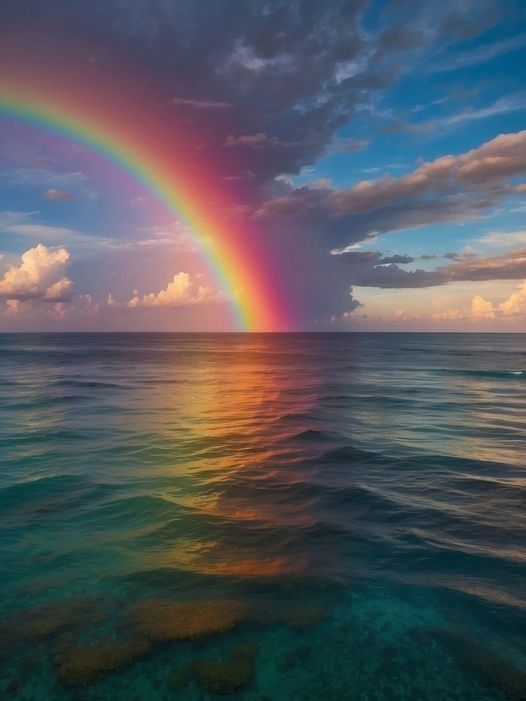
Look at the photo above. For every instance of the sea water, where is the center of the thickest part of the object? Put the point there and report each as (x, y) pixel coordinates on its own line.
(268, 516)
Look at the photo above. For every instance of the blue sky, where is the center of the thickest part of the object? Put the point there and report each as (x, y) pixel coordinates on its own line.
(334, 115)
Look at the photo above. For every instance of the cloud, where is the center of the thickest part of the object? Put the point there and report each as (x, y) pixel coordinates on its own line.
(57, 185)
(481, 54)
(40, 277)
(350, 145)
(516, 303)
(482, 308)
(182, 291)
(449, 315)
(373, 258)
(452, 188)
(504, 105)
(504, 238)
(201, 104)
(259, 140)
(272, 86)
(58, 195)
(41, 231)
(400, 38)
(482, 168)
(376, 271)
(298, 203)
(310, 222)
(24, 224)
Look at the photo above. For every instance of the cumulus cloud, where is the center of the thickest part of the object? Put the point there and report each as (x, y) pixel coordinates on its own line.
(182, 291)
(482, 308)
(40, 277)
(449, 315)
(57, 195)
(516, 303)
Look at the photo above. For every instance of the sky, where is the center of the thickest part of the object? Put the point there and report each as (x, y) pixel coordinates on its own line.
(334, 166)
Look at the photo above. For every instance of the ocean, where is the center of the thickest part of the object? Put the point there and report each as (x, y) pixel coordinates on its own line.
(274, 517)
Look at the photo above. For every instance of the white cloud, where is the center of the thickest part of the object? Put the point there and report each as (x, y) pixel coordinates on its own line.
(481, 308)
(481, 54)
(516, 303)
(504, 238)
(449, 314)
(40, 276)
(504, 105)
(182, 291)
(24, 224)
(41, 231)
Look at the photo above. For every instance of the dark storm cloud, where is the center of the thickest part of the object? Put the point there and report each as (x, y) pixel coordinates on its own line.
(400, 38)
(373, 270)
(270, 83)
(275, 79)
(201, 104)
(291, 71)
(294, 71)
(374, 257)
(450, 188)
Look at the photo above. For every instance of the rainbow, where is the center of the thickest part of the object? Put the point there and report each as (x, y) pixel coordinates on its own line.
(147, 150)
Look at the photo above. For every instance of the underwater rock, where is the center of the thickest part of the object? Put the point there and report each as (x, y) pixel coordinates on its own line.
(14, 686)
(498, 672)
(62, 646)
(296, 656)
(83, 664)
(226, 676)
(264, 613)
(303, 617)
(179, 678)
(163, 620)
(41, 621)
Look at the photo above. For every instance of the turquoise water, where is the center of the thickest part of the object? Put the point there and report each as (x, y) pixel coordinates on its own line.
(323, 516)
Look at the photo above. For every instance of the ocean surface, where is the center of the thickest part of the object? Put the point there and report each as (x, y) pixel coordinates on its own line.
(271, 517)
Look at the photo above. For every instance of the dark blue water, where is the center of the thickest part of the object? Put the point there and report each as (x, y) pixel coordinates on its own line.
(310, 516)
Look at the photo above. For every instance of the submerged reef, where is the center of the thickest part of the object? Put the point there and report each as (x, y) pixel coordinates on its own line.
(226, 676)
(161, 620)
(47, 619)
(303, 617)
(498, 673)
(83, 664)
